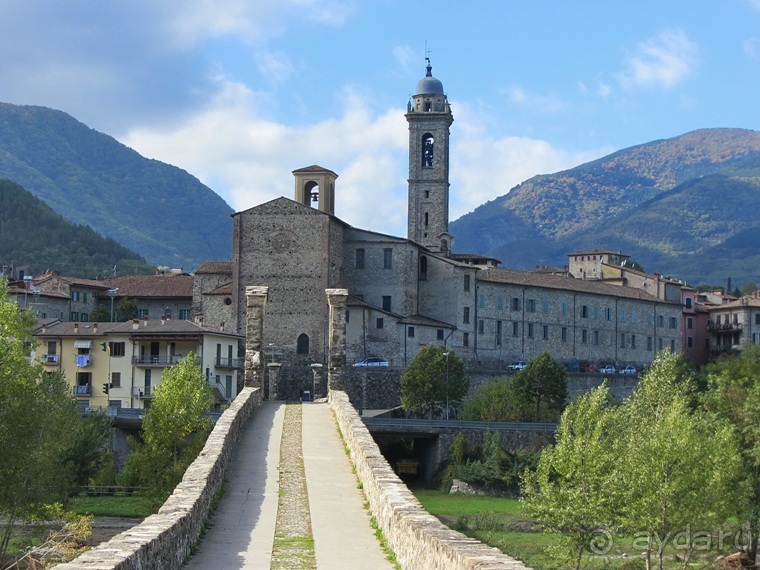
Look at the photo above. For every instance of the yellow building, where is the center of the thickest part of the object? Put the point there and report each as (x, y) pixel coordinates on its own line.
(119, 365)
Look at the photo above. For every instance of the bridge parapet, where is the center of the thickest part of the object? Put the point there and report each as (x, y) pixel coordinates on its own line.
(418, 538)
(162, 541)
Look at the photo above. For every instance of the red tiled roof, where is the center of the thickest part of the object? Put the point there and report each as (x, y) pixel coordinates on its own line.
(221, 290)
(169, 285)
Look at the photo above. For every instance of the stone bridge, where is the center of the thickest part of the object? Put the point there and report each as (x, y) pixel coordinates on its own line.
(164, 541)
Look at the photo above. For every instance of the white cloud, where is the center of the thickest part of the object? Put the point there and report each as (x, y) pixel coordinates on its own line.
(751, 46)
(661, 61)
(275, 67)
(604, 90)
(754, 4)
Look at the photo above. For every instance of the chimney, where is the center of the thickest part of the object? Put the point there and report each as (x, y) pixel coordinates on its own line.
(44, 329)
(94, 327)
(145, 322)
(163, 319)
(135, 324)
(76, 327)
(221, 326)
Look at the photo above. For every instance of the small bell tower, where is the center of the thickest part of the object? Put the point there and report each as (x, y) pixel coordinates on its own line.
(429, 117)
(315, 187)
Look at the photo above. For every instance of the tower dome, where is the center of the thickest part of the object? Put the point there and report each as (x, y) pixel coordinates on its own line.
(429, 85)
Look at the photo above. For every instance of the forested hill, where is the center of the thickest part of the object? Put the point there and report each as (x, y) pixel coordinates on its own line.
(33, 234)
(158, 210)
(686, 207)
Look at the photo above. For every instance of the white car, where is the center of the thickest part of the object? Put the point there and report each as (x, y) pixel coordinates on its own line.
(629, 370)
(517, 365)
(372, 361)
(609, 369)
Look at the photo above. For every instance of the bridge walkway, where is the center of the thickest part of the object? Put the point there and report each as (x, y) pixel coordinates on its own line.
(243, 527)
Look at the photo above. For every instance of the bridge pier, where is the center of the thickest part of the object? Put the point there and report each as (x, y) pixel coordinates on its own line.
(256, 298)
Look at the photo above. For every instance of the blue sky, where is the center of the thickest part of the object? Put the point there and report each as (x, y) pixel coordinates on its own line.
(241, 92)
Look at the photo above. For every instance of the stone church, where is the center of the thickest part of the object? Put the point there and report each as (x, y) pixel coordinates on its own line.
(405, 293)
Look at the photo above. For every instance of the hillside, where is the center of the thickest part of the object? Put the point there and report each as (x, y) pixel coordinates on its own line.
(31, 233)
(160, 211)
(675, 205)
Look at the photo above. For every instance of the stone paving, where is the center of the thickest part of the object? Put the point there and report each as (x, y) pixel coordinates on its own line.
(243, 527)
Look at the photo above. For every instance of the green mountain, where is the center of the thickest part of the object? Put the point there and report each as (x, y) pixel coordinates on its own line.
(687, 207)
(33, 234)
(160, 211)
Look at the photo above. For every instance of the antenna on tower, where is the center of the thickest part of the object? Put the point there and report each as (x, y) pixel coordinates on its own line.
(427, 53)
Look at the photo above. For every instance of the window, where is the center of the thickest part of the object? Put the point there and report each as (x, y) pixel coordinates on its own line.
(410, 332)
(379, 323)
(659, 342)
(423, 268)
(51, 347)
(115, 379)
(388, 258)
(84, 317)
(584, 311)
(622, 340)
(426, 218)
(634, 316)
(500, 303)
(515, 329)
(633, 341)
(142, 313)
(564, 309)
(672, 346)
(608, 313)
(584, 336)
(530, 330)
(650, 320)
(660, 321)
(717, 320)
(168, 312)
(545, 306)
(596, 312)
(466, 339)
(359, 261)
(481, 326)
(530, 306)
(649, 343)
(427, 146)
(596, 338)
(622, 315)
(75, 296)
(74, 316)
(439, 334)
(387, 303)
(515, 303)
(466, 282)
(564, 334)
(688, 302)
(498, 333)
(689, 341)
(481, 300)
(184, 314)
(546, 332)
(117, 348)
(348, 315)
(84, 297)
(689, 323)
(466, 315)
(673, 323)
(757, 318)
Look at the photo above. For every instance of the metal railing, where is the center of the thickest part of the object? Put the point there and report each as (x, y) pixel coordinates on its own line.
(458, 424)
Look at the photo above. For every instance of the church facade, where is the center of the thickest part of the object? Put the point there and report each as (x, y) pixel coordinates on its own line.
(407, 293)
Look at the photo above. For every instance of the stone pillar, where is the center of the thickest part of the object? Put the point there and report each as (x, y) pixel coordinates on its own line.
(256, 299)
(317, 381)
(336, 359)
(274, 369)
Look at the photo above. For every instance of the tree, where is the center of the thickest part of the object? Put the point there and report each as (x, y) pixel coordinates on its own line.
(681, 466)
(126, 310)
(100, 314)
(543, 380)
(734, 395)
(495, 401)
(748, 288)
(39, 421)
(174, 429)
(433, 382)
(89, 452)
(574, 490)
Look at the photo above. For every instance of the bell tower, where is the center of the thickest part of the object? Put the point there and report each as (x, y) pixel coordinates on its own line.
(429, 117)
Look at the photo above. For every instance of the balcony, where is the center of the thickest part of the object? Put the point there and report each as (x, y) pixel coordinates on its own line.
(49, 359)
(85, 390)
(723, 327)
(83, 360)
(149, 360)
(144, 392)
(231, 363)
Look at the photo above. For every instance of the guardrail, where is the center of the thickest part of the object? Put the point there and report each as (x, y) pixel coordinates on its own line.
(458, 424)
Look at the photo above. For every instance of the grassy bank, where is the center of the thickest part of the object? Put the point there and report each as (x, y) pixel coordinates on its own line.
(111, 506)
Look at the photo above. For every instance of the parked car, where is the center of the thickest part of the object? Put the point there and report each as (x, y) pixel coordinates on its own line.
(519, 365)
(572, 366)
(372, 361)
(629, 370)
(609, 369)
(589, 367)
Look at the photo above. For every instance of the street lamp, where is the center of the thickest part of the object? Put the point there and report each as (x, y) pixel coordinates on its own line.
(27, 282)
(112, 294)
(446, 354)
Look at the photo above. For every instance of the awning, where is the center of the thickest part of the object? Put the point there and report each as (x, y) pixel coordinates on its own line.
(82, 344)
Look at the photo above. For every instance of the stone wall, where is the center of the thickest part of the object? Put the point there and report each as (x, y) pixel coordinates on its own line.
(162, 541)
(418, 539)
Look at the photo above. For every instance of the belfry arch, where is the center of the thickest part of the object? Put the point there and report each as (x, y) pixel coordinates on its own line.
(315, 188)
